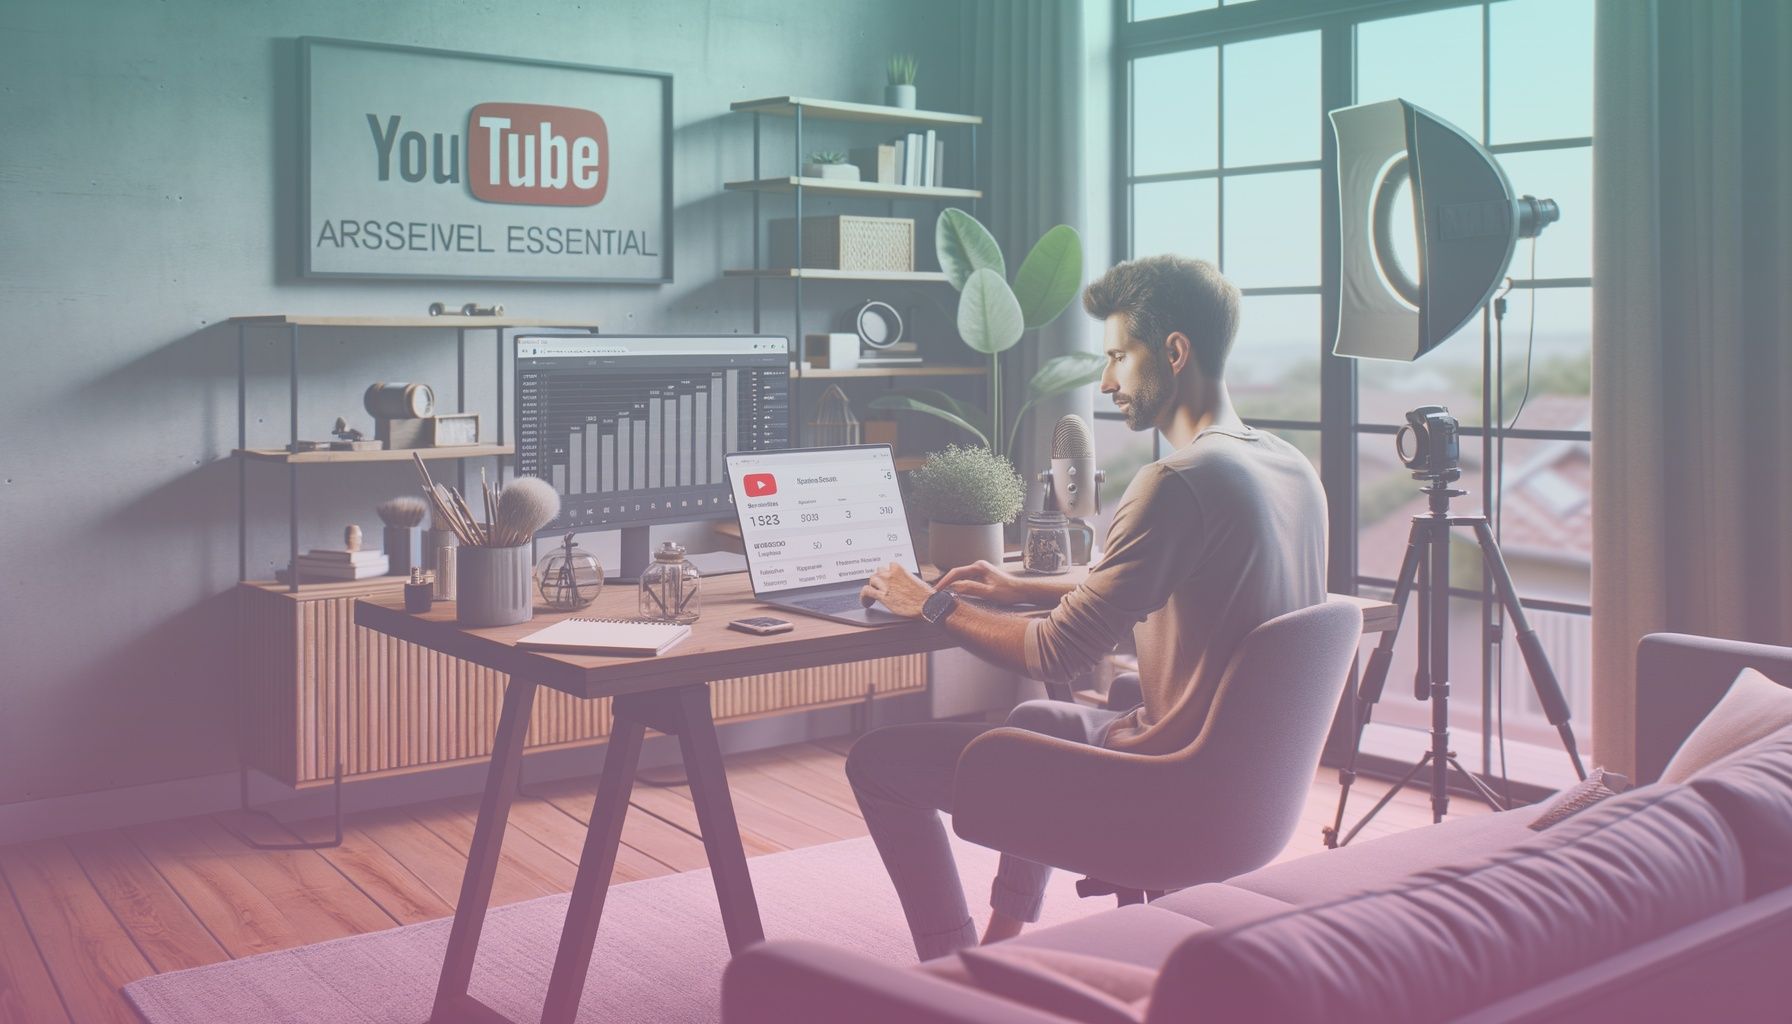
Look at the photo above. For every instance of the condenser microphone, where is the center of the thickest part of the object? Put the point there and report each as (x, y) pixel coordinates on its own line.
(1074, 480)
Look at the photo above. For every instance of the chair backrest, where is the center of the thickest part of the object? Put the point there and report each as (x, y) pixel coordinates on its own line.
(1252, 765)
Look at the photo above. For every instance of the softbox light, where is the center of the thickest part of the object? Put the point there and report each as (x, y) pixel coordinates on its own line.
(1427, 226)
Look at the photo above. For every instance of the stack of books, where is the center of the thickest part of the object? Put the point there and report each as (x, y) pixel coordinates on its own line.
(914, 159)
(338, 564)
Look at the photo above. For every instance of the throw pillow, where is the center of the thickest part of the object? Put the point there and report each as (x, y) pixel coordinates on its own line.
(1754, 707)
(1089, 989)
(1598, 785)
(1753, 791)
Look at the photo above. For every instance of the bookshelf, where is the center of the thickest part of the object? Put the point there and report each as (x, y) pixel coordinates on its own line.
(962, 190)
(294, 325)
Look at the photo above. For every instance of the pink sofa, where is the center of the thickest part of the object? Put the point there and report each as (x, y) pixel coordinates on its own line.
(1666, 903)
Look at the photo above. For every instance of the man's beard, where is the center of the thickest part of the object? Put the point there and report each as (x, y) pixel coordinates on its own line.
(1152, 393)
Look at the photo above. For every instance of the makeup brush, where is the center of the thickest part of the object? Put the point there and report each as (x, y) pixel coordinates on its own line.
(525, 505)
(402, 515)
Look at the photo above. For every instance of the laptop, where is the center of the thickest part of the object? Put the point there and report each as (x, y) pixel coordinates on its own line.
(816, 523)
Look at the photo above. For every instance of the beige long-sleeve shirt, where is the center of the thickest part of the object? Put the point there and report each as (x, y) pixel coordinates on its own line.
(1206, 544)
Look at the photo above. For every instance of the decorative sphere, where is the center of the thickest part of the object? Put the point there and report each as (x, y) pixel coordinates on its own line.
(568, 577)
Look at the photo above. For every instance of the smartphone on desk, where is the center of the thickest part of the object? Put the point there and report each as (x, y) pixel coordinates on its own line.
(762, 625)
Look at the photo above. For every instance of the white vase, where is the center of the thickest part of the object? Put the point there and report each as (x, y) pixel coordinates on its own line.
(900, 96)
(950, 545)
(832, 172)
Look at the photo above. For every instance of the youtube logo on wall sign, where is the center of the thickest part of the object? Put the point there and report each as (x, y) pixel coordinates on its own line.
(758, 485)
(537, 155)
(426, 163)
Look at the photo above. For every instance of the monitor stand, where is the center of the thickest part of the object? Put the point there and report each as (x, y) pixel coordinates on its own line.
(636, 555)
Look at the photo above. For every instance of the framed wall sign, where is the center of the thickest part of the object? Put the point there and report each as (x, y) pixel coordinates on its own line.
(435, 164)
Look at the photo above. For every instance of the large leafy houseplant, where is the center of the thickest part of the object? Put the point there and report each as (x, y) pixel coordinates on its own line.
(992, 317)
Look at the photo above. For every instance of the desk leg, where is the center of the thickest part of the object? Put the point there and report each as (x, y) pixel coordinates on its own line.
(715, 819)
(598, 859)
(482, 858)
(683, 712)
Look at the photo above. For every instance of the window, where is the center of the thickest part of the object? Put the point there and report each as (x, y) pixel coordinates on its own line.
(1224, 160)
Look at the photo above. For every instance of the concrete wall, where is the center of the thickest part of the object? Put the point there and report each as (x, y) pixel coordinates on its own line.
(147, 192)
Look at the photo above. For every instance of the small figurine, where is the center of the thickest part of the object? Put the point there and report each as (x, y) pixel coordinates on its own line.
(351, 537)
(345, 432)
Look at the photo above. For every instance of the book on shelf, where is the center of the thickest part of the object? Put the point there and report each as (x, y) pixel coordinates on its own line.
(901, 162)
(363, 556)
(939, 161)
(876, 163)
(912, 171)
(874, 361)
(311, 569)
(929, 155)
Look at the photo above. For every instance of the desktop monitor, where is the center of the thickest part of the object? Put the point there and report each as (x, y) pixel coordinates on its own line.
(631, 429)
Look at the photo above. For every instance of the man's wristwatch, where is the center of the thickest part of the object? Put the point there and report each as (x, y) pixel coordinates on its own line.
(938, 606)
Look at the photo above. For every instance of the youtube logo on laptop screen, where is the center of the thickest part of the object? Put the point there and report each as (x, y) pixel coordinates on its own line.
(819, 516)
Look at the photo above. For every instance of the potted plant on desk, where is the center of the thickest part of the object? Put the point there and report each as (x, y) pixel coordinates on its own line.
(968, 495)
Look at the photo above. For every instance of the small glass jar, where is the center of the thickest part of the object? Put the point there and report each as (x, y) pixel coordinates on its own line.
(1047, 547)
(669, 587)
(568, 578)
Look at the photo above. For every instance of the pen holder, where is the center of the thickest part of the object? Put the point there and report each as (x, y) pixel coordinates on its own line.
(492, 585)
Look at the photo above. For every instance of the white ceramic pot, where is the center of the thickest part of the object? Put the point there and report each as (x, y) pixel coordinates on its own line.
(832, 172)
(950, 545)
(900, 96)
(492, 586)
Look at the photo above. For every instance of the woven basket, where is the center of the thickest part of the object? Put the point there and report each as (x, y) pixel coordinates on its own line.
(846, 242)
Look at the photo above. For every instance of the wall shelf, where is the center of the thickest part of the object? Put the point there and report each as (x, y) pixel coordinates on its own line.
(860, 189)
(459, 451)
(873, 372)
(840, 110)
(446, 322)
(822, 274)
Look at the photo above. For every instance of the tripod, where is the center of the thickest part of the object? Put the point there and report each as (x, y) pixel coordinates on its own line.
(1427, 565)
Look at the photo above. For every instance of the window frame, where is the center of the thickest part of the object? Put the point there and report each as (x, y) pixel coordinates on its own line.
(1338, 427)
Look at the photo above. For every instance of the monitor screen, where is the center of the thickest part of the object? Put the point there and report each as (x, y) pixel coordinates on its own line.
(814, 516)
(631, 430)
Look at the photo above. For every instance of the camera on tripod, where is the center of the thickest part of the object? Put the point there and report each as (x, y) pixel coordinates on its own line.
(1435, 439)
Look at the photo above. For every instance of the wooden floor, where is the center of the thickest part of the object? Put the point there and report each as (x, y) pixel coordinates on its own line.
(82, 916)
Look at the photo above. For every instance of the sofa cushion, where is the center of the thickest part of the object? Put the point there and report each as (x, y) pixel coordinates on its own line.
(1455, 938)
(1373, 863)
(1753, 708)
(1753, 791)
(1219, 905)
(1140, 934)
(1076, 986)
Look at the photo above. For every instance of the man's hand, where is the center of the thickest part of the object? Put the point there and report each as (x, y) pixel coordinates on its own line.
(900, 591)
(983, 580)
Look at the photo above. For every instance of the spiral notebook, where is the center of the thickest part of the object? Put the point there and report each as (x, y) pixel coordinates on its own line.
(635, 637)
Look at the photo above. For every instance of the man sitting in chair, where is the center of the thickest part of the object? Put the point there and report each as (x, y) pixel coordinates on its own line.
(1221, 535)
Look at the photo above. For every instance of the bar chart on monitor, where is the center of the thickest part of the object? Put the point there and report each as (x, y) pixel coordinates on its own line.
(632, 430)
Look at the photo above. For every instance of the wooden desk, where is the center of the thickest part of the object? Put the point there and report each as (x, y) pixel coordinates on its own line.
(668, 693)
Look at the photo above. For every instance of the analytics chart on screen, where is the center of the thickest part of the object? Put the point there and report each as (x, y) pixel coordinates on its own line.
(813, 517)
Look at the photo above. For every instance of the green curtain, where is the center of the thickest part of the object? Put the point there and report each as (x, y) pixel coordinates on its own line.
(1023, 66)
(1692, 335)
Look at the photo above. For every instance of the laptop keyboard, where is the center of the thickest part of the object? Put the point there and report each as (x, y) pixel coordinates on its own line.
(831, 603)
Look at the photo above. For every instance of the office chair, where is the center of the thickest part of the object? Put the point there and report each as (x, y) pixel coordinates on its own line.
(1140, 825)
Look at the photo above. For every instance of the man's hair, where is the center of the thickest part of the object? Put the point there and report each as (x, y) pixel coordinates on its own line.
(1160, 295)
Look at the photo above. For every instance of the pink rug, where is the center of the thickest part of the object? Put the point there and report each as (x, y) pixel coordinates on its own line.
(659, 957)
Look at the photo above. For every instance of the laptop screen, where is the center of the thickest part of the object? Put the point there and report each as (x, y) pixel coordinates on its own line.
(811, 516)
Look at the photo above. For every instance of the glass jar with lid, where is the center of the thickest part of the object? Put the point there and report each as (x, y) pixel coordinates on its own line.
(669, 587)
(1047, 546)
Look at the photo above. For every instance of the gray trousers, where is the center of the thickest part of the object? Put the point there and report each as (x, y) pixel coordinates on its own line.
(903, 777)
